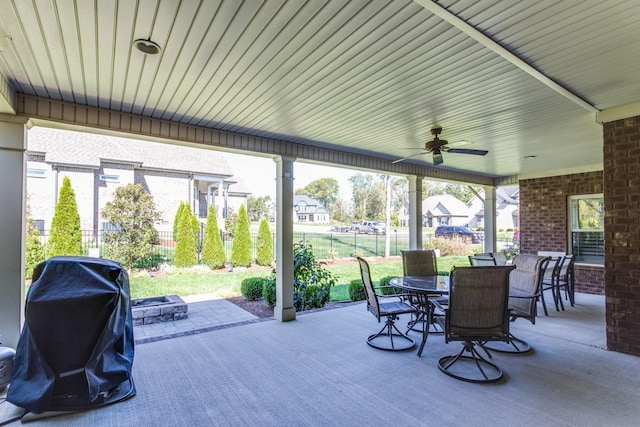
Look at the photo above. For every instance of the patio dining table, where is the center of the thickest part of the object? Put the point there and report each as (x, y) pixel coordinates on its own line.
(422, 289)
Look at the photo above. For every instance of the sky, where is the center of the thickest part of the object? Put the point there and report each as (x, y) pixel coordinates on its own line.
(259, 174)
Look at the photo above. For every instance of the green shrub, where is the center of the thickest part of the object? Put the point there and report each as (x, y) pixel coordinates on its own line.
(269, 290)
(213, 253)
(241, 249)
(176, 219)
(356, 290)
(65, 237)
(449, 247)
(311, 282)
(386, 288)
(265, 244)
(251, 287)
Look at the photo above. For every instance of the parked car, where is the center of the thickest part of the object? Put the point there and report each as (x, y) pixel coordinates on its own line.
(450, 231)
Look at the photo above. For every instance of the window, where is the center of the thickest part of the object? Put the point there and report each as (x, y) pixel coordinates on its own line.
(586, 219)
(36, 173)
(112, 178)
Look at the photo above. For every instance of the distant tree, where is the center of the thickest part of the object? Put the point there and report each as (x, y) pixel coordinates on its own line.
(65, 237)
(132, 214)
(264, 244)
(360, 185)
(258, 207)
(185, 255)
(213, 253)
(339, 210)
(241, 249)
(324, 190)
(34, 252)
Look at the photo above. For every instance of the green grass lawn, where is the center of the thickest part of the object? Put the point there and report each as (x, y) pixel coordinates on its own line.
(227, 284)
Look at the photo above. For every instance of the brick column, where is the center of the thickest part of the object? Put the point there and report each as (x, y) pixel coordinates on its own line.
(622, 234)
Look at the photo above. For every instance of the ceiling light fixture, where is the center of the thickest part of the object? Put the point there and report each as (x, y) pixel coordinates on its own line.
(147, 46)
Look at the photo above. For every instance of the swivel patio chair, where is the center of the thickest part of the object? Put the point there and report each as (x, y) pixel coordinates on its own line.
(524, 290)
(389, 337)
(550, 282)
(565, 280)
(422, 262)
(482, 261)
(477, 313)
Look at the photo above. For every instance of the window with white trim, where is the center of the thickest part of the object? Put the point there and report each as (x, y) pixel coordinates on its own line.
(36, 173)
(110, 178)
(586, 222)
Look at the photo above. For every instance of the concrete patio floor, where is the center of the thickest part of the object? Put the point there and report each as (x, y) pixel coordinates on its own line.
(318, 370)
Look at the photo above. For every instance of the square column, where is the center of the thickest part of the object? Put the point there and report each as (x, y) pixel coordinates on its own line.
(284, 309)
(415, 212)
(13, 168)
(490, 235)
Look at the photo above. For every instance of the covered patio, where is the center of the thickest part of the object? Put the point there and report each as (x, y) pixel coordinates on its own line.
(318, 370)
(549, 89)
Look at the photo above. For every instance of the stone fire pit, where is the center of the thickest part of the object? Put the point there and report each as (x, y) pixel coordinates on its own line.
(165, 308)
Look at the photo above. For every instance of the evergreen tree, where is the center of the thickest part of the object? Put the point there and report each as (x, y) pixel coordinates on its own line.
(132, 214)
(265, 244)
(176, 219)
(213, 253)
(195, 225)
(65, 237)
(34, 252)
(185, 255)
(241, 250)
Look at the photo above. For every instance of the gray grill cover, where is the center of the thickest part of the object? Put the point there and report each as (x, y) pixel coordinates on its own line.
(75, 351)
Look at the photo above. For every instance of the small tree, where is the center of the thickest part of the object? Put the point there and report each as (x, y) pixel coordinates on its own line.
(132, 214)
(65, 237)
(195, 225)
(176, 219)
(213, 253)
(265, 244)
(241, 250)
(186, 255)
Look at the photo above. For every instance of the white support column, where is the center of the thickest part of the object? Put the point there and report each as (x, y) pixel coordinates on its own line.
(13, 166)
(220, 204)
(284, 309)
(415, 212)
(490, 235)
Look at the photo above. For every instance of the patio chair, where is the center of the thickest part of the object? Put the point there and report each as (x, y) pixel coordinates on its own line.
(482, 261)
(500, 258)
(422, 262)
(389, 337)
(550, 282)
(565, 280)
(524, 290)
(478, 313)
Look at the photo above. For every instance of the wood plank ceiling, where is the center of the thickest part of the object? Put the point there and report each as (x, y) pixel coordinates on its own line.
(368, 77)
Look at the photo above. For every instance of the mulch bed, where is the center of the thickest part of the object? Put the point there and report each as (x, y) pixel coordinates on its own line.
(261, 309)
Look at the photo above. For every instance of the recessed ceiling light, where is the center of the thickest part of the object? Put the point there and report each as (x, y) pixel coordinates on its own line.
(529, 157)
(147, 46)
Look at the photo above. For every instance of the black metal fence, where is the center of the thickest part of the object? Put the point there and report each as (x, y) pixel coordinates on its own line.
(331, 245)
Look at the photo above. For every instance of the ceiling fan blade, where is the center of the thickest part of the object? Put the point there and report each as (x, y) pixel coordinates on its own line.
(466, 151)
(406, 158)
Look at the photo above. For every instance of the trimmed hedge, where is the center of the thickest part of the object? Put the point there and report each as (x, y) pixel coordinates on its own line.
(356, 290)
(251, 287)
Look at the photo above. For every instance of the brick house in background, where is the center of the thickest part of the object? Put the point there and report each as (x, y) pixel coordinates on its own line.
(309, 211)
(98, 164)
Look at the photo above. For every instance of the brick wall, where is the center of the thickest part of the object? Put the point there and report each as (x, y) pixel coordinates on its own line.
(543, 220)
(622, 234)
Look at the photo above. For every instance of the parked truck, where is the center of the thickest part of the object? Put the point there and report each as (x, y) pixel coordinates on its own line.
(369, 227)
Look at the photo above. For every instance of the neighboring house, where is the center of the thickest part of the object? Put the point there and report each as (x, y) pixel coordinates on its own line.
(98, 164)
(444, 209)
(507, 199)
(310, 211)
